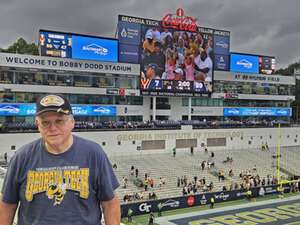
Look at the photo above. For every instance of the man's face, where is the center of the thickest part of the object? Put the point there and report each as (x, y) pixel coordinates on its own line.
(55, 128)
(150, 73)
(203, 55)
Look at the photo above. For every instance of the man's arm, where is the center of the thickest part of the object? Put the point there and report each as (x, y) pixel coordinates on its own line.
(7, 213)
(111, 211)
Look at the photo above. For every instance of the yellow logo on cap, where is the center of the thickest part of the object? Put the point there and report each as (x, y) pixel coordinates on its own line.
(52, 100)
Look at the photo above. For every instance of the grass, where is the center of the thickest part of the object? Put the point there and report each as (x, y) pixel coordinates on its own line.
(143, 220)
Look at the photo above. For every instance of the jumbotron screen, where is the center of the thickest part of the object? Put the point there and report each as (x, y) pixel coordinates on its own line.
(176, 56)
(267, 64)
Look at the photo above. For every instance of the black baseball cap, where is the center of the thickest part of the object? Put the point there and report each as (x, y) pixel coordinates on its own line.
(53, 103)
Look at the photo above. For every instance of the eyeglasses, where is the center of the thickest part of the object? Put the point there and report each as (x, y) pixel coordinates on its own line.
(47, 124)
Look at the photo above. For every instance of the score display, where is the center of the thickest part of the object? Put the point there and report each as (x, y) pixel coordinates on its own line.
(174, 87)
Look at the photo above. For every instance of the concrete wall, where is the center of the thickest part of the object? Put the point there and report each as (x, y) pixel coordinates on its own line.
(129, 140)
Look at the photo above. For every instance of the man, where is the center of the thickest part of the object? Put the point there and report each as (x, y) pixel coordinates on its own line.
(157, 58)
(212, 202)
(59, 178)
(151, 219)
(204, 65)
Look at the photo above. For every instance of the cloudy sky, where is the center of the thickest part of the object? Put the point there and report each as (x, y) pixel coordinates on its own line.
(267, 27)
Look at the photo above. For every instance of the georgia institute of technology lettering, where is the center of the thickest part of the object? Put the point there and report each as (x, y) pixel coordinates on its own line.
(55, 183)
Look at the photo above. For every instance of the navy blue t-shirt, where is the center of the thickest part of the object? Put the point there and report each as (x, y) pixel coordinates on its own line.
(59, 189)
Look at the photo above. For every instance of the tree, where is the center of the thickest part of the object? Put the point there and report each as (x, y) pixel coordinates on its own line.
(289, 70)
(22, 47)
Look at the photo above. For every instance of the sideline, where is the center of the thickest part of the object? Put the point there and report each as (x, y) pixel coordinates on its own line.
(165, 220)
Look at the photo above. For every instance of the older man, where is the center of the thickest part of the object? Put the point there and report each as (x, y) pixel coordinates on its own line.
(59, 178)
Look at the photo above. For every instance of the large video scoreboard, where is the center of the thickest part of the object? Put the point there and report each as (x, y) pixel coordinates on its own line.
(169, 52)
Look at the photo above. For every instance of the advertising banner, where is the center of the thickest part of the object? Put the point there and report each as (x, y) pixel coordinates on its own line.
(129, 33)
(244, 63)
(7, 109)
(128, 53)
(94, 48)
(221, 62)
(145, 207)
(285, 112)
(94, 110)
(221, 45)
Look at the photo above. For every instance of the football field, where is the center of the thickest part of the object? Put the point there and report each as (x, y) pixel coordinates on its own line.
(275, 211)
(267, 210)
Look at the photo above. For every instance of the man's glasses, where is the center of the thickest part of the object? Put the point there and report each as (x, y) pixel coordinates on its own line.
(47, 124)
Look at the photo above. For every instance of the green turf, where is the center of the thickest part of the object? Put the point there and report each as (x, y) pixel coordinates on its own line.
(143, 220)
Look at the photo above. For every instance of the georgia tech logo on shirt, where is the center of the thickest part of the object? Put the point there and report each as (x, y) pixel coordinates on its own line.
(57, 192)
(55, 183)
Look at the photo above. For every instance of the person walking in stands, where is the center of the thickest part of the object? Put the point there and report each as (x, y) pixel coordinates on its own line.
(59, 178)
(151, 219)
(192, 150)
(136, 172)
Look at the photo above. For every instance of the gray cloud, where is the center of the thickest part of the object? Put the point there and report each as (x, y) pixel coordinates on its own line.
(268, 27)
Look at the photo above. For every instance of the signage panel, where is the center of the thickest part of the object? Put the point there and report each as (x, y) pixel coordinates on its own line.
(129, 53)
(221, 62)
(94, 110)
(286, 112)
(7, 109)
(94, 48)
(243, 63)
(221, 45)
(129, 33)
(17, 109)
(50, 63)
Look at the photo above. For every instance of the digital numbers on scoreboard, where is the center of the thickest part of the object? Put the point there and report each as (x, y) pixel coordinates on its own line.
(183, 86)
(168, 85)
(153, 84)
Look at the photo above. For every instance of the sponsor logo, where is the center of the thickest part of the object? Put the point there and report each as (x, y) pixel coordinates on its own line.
(96, 49)
(270, 190)
(203, 200)
(261, 191)
(234, 111)
(241, 194)
(124, 33)
(190, 201)
(222, 60)
(222, 196)
(222, 44)
(245, 63)
(9, 109)
(282, 111)
(171, 203)
(102, 110)
(144, 207)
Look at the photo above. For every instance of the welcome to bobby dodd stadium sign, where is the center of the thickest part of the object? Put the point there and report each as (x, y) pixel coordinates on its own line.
(51, 63)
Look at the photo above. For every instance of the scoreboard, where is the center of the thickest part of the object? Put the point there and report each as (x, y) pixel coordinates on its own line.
(174, 87)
